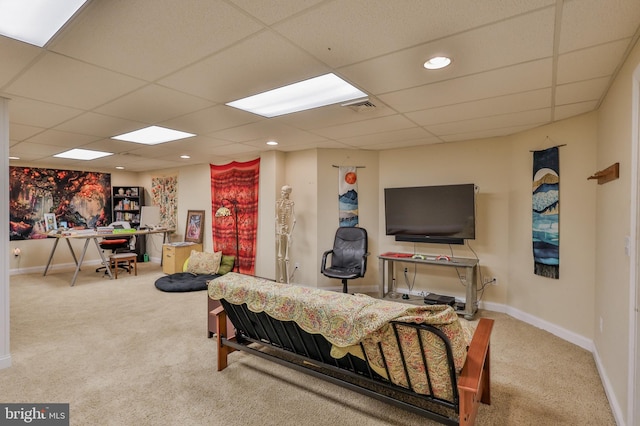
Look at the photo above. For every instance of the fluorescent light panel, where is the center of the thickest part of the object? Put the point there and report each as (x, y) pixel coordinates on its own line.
(153, 135)
(313, 93)
(35, 21)
(83, 154)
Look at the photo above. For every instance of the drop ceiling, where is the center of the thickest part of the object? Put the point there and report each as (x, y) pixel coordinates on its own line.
(122, 65)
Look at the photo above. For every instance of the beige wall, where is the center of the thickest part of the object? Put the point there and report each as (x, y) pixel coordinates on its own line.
(483, 163)
(568, 301)
(612, 275)
(327, 211)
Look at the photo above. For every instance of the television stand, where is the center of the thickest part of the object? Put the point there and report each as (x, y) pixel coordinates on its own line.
(388, 263)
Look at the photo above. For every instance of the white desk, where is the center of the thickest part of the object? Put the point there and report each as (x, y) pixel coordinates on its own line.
(95, 237)
(387, 273)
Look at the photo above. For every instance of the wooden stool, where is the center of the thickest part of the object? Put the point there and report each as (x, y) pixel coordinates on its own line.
(117, 258)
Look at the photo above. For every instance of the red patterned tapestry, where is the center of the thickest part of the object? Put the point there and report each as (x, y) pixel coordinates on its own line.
(235, 186)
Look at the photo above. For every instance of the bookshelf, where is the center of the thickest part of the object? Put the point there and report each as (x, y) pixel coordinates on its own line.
(127, 204)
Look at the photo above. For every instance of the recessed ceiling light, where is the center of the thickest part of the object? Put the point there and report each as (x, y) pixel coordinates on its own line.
(186, 157)
(119, 167)
(313, 93)
(153, 135)
(14, 158)
(437, 62)
(82, 154)
(272, 143)
(35, 21)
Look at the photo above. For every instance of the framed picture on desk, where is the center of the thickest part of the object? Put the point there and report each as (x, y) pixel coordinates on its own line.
(50, 222)
(195, 222)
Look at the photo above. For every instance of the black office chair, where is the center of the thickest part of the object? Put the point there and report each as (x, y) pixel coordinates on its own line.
(348, 256)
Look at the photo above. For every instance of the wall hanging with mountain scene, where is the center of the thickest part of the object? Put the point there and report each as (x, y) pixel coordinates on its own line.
(348, 196)
(546, 212)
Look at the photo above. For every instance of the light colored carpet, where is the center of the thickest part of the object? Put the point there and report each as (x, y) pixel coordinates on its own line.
(121, 352)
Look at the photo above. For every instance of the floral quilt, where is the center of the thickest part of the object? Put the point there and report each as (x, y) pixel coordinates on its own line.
(347, 320)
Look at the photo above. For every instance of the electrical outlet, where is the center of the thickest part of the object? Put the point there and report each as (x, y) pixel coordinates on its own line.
(491, 281)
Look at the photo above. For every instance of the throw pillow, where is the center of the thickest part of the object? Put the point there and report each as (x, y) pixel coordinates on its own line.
(204, 262)
(226, 264)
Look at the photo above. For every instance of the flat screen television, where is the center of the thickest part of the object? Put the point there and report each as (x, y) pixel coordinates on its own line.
(442, 214)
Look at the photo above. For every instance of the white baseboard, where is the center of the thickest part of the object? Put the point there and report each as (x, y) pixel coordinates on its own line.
(608, 390)
(66, 266)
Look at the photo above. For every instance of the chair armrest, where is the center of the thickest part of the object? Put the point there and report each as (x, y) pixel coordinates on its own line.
(474, 383)
(363, 264)
(323, 264)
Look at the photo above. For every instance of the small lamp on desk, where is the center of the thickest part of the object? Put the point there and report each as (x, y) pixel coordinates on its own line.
(224, 211)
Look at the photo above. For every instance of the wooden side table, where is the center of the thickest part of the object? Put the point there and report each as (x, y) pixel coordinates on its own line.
(118, 258)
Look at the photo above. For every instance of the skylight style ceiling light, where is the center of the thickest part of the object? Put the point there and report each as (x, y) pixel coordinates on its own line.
(35, 21)
(82, 154)
(153, 135)
(313, 93)
(437, 62)
(272, 143)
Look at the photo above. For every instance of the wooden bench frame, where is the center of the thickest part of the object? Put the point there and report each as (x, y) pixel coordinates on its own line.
(472, 385)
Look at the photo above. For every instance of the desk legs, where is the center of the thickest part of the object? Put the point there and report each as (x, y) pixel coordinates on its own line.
(53, 250)
(84, 251)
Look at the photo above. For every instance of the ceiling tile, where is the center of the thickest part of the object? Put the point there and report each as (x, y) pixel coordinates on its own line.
(366, 127)
(212, 119)
(518, 78)
(91, 123)
(534, 99)
(582, 91)
(380, 27)
(536, 117)
(565, 111)
(31, 151)
(65, 81)
(585, 64)
(20, 132)
(262, 62)
(265, 130)
(15, 57)
(272, 12)
(398, 136)
(592, 22)
(489, 133)
(153, 103)
(333, 115)
(59, 138)
(151, 38)
(505, 43)
(40, 114)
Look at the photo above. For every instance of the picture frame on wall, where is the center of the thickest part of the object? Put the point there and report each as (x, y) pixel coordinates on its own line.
(195, 226)
(50, 222)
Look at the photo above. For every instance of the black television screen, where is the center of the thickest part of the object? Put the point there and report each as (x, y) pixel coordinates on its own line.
(431, 214)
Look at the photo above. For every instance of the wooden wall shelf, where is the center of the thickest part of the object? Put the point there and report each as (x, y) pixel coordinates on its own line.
(607, 175)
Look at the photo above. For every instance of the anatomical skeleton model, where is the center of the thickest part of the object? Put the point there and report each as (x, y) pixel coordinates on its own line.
(285, 222)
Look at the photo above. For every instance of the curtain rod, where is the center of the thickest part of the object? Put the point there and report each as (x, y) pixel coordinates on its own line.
(555, 146)
(357, 167)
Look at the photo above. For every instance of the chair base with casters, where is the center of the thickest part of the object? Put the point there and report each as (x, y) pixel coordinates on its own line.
(116, 245)
(348, 256)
